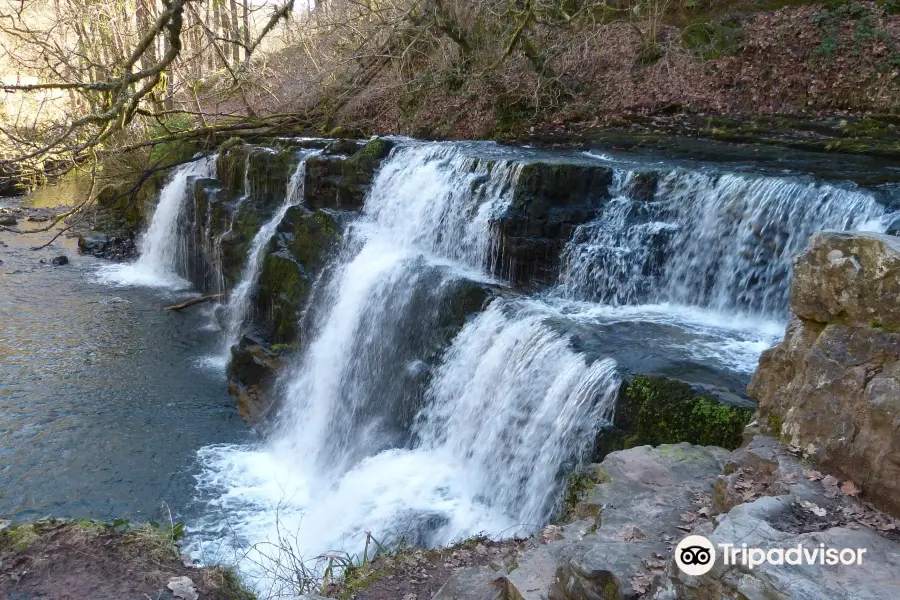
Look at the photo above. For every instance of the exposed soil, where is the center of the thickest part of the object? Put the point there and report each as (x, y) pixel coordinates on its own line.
(418, 574)
(65, 560)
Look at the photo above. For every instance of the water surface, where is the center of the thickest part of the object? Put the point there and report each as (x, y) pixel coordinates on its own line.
(102, 405)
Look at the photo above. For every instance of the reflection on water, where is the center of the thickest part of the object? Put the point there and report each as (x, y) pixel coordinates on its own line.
(70, 190)
(101, 405)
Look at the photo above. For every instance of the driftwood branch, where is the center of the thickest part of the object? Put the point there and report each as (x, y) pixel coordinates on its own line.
(189, 303)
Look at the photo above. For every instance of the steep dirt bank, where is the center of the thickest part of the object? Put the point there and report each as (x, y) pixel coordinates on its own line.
(55, 560)
(817, 75)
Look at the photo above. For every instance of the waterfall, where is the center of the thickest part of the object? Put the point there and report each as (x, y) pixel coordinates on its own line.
(515, 403)
(719, 241)
(426, 226)
(238, 305)
(363, 442)
(399, 418)
(161, 246)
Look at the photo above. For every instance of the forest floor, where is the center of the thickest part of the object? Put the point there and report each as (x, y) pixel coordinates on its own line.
(809, 74)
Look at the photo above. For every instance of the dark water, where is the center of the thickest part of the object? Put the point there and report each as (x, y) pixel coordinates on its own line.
(102, 403)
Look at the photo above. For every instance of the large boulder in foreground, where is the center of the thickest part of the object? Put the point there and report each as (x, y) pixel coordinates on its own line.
(832, 387)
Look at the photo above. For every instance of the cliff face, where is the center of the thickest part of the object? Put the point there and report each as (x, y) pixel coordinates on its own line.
(832, 387)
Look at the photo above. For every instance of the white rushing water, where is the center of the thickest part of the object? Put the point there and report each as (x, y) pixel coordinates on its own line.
(482, 448)
(719, 241)
(398, 421)
(162, 245)
(238, 305)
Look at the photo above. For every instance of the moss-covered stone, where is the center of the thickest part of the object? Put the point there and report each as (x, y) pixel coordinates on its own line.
(298, 251)
(342, 183)
(378, 148)
(655, 410)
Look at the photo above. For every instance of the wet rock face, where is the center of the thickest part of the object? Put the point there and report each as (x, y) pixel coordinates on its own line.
(296, 254)
(251, 374)
(550, 201)
(833, 385)
(336, 182)
(656, 410)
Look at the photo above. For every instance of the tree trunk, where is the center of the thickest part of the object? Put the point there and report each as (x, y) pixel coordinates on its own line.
(246, 30)
(235, 35)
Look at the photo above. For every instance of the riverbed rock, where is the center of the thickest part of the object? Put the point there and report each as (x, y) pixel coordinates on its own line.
(8, 220)
(251, 374)
(93, 241)
(60, 260)
(549, 201)
(832, 387)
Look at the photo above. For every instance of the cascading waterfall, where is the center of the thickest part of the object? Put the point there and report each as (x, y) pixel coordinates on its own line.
(427, 225)
(161, 246)
(482, 448)
(720, 241)
(238, 304)
(515, 403)
(387, 427)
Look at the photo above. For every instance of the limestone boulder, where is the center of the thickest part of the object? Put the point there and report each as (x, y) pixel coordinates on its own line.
(848, 277)
(832, 387)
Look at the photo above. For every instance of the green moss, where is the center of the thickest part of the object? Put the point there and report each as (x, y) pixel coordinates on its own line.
(174, 151)
(655, 411)
(283, 348)
(20, 537)
(774, 424)
(578, 486)
(283, 290)
(377, 148)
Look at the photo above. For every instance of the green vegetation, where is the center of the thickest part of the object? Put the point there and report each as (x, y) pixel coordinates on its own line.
(175, 151)
(713, 40)
(838, 12)
(774, 423)
(377, 148)
(654, 410)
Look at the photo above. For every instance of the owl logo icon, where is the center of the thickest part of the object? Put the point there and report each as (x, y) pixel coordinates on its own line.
(695, 555)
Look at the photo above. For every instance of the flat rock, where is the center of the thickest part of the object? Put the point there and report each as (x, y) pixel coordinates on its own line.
(753, 524)
(183, 587)
(474, 583)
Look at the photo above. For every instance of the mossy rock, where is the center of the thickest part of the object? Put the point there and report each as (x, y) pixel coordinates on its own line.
(656, 410)
(342, 183)
(299, 250)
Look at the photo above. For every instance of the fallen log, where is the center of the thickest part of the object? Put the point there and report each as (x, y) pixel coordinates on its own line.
(189, 303)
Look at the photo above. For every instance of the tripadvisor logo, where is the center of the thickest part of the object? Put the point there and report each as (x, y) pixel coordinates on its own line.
(695, 555)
